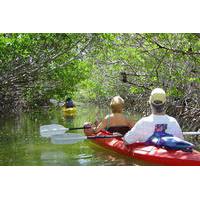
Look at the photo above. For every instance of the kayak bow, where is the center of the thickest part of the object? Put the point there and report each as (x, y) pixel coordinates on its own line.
(69, 110)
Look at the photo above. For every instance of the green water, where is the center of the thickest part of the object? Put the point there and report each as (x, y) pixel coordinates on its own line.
(21, 144)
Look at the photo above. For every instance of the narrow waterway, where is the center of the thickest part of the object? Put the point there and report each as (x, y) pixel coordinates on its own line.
(22, 145)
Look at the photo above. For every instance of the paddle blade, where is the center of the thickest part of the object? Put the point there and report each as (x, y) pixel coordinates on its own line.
(69, 138)
(61, 104)
(53, 101)
(53, 129)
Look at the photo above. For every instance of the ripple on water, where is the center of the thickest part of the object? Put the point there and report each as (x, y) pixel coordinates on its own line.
(83, 156)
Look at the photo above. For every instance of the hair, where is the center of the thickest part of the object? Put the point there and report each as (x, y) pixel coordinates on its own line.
(117, 104)
(157, 108)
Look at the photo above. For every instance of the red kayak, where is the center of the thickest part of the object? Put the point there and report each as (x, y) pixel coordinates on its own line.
(151, 154)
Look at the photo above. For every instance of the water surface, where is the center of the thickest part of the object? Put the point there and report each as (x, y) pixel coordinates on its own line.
(21, 144)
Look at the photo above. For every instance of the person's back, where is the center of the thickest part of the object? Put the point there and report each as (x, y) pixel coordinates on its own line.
(147, 126)
(115, 122)
(69, 103)
(116, 119)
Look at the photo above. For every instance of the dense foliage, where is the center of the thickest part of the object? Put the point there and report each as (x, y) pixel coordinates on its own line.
(133, 64)
(94, 67)
(35, 67)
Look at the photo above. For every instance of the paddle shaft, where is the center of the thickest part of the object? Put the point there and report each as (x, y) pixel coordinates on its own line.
(77, 128)
(71, 138)
(191, 133)
(184, 133)
(114, 136)
(103, 136)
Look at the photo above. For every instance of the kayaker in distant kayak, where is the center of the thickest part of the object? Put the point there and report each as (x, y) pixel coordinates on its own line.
(69, 103)
(157, 122)
(115, 122)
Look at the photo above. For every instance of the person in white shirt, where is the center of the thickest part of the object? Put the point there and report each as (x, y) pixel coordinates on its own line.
(157, 121)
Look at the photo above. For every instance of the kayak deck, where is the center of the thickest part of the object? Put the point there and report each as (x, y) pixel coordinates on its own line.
(69, 110)
(151, 154)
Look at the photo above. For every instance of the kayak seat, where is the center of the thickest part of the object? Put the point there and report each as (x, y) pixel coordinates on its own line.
(119, 129)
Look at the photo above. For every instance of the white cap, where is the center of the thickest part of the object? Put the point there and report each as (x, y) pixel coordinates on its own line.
(159, 95)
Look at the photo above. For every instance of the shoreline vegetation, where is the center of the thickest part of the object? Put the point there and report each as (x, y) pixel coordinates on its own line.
(92, 68)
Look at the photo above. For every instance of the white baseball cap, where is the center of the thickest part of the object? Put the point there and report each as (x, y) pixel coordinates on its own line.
(158, 96)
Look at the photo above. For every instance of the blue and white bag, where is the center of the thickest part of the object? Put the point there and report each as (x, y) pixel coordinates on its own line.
(168, 141)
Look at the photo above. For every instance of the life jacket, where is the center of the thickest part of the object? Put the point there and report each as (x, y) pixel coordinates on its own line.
(69, 104)
(167, 141)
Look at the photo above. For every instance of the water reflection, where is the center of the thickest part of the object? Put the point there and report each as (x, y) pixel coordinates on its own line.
(69, 119)
(84, 159)
(52, 157)
(21, 144)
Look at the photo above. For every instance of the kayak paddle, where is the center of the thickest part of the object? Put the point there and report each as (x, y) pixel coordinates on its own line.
(55, 129)
(71, 138)
(56, 102)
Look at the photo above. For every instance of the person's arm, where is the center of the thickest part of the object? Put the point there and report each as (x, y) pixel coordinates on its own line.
(92, 129)
(89, 128)
(177, 130)
(134, 135)
(131, 123)
(74, 105)
(101, 125)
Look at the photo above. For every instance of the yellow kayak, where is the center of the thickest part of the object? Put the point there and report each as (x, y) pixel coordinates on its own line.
(69, 110)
